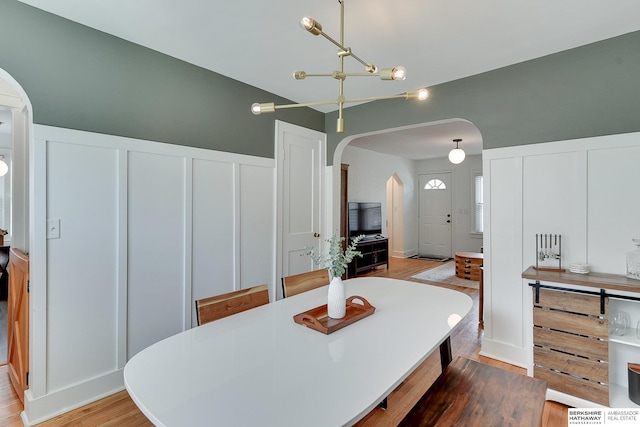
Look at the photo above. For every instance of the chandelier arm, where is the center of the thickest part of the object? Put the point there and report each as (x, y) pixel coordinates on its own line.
(362, 74)
(340, 120)
(301, 75)
(354, 56)
(328, 37)
(319, 75)
(345, 74)
(367, 74)
(344, 48)
(341, 21)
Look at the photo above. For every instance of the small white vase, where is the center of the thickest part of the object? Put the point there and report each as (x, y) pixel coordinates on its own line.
(336, 300)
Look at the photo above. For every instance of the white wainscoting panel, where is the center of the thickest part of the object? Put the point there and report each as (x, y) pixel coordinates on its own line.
(81, 265)
(555, 202)
(145, 229)
(213, 229)
(156, 222)
(503, 309)
(257, 227)
(614, 207)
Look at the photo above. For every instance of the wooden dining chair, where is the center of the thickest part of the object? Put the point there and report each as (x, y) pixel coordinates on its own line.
(219, 306)
(298, 283)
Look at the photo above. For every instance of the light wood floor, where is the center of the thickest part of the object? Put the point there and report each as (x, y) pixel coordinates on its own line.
(119, 409)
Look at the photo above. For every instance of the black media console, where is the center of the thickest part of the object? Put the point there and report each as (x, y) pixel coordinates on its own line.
(375, 252)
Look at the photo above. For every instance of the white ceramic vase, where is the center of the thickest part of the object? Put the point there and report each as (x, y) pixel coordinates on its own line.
(336, 300)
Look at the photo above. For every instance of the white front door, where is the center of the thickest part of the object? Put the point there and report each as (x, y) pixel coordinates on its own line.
(300, 162)
(435, 215)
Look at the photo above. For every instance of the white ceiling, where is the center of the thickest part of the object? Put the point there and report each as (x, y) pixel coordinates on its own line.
(260, 43)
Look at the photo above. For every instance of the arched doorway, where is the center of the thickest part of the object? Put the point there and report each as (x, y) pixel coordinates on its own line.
(428, 145)
(17, 107)
(395, 215)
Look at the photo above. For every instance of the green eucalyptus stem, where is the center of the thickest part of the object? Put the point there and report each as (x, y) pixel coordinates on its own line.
(336, 261)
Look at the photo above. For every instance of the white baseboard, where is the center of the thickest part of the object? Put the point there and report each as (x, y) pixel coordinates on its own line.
(37, 410)
(404, 254)
(504, 352)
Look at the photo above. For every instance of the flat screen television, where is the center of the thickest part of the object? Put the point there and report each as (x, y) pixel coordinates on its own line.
(365, 218)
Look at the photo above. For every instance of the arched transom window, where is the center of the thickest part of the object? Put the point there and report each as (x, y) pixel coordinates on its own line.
(435, 184)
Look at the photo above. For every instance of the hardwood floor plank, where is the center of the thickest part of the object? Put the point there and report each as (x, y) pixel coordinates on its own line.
(119, 410)
(10, 405)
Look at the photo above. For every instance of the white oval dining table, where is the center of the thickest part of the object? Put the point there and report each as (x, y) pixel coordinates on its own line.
(260, 368)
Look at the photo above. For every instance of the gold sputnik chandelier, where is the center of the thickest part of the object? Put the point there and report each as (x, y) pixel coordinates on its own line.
(397, 73)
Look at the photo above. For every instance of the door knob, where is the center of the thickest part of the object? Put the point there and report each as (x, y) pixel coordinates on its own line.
(448, 221)
(316, 235)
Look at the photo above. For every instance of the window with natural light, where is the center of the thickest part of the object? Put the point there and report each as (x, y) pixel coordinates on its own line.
(435, 184)
(479, 203)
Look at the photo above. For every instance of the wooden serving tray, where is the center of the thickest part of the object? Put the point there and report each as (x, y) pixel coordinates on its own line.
(318, 319)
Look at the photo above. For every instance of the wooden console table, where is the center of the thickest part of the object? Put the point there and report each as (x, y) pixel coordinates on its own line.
(572, 343)
(468, 265)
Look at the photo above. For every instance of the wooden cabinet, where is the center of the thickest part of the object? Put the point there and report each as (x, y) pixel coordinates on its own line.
(570, 349)
(573, 347)
(375, 252)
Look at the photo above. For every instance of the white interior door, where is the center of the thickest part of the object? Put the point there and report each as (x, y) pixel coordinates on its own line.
(435, 215)
(300, 160)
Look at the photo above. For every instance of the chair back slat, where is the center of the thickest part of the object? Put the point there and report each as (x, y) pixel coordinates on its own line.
(219, 306)
(298, 283)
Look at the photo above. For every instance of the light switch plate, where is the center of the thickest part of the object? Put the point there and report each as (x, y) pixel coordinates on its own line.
(53, 228)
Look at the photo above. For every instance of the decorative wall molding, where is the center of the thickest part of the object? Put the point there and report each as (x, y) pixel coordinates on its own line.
(132, 250)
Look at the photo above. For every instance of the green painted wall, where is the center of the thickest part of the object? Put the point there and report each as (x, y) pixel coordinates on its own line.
(592, 90)
(80, 78)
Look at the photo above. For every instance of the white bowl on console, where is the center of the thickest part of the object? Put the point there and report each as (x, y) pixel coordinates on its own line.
(578, 267)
